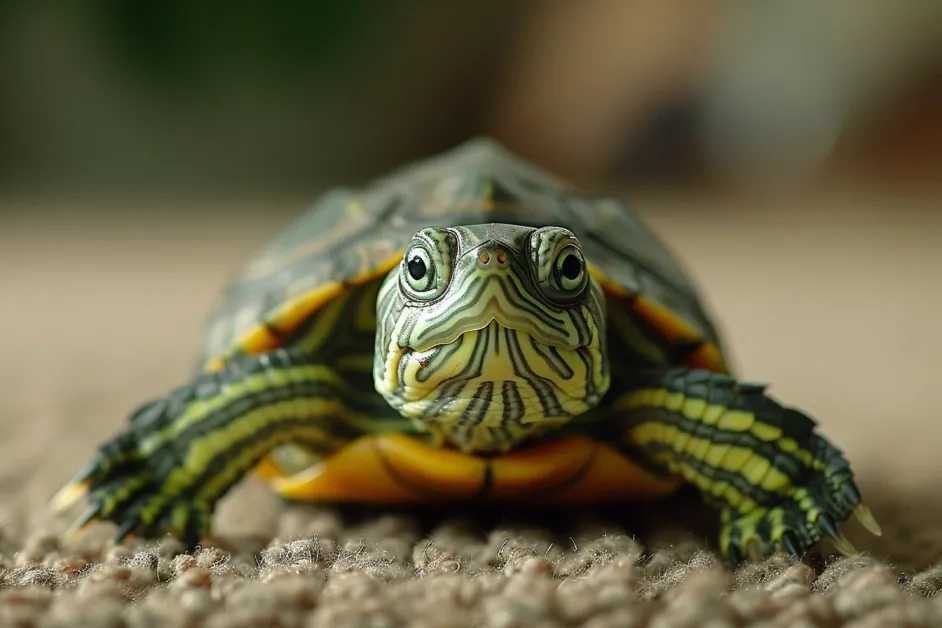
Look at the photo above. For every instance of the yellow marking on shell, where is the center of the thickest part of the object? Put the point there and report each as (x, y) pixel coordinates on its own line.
(328, 315)
(295, 311)
(215, 365)
(395, 468)
(268, 469)
(387, 468)
(609, 476)
(674, 329)
(708, 357)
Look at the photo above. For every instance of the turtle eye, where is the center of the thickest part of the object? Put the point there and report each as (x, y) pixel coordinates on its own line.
(419, 271)
(417, 267)
(558, 263)
(569, 267)
(426, 265)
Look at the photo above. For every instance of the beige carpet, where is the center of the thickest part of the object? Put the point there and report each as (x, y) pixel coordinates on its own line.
(838, 304)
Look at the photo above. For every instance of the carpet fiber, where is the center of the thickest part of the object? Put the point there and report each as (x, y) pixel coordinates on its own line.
(837, 305)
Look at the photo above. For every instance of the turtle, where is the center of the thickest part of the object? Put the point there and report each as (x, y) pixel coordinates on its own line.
(471, 328)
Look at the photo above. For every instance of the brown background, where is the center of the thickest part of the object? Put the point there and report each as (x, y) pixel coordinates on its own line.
(835, 302)
(146, 147)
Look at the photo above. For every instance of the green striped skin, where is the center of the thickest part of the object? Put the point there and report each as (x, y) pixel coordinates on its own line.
(777, 482)
(324, 336)
(497, 346)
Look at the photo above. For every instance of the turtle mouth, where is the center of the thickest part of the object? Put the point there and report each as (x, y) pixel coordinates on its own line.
(536, 324)
(495, 386)
(492, 352)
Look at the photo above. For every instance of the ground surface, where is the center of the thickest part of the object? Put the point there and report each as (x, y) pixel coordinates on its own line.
(837, 304)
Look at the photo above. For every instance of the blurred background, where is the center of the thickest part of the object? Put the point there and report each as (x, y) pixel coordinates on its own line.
(790, 152)
(229, 98)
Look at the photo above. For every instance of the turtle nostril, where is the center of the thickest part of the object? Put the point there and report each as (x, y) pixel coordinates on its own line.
(491, 258)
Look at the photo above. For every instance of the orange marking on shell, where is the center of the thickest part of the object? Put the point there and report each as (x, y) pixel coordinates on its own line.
(259, 340)
(677, 331)
(395, 468)
(386, 469)
(295, 312)
(708, 357)
(268, 469)
(671, 327)
(610, 477)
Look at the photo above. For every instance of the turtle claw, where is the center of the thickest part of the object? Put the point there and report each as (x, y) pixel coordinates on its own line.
(127, 529)
(78, 526)
(754, 550)
(867, 520)
(78, 487)
(841, 542)
(844, 546)
(785, 527)
(69, 495)
(792, 545)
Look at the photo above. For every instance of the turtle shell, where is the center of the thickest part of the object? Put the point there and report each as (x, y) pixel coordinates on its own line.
(352, 236)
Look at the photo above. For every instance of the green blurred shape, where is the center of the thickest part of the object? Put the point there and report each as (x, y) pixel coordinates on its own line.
(178, 40)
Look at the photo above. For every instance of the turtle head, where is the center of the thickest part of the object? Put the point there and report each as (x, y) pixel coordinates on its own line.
(491, 334)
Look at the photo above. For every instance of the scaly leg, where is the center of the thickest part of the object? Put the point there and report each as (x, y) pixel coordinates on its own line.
(179, 455)
(777, 482)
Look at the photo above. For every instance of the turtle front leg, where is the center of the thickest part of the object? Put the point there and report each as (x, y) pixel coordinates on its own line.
(777, 482)
(180, 454)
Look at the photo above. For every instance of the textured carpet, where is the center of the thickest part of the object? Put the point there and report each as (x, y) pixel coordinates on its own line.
(836, 304)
